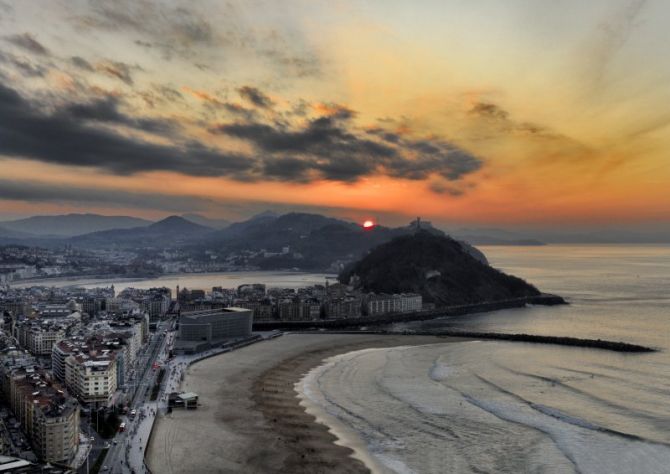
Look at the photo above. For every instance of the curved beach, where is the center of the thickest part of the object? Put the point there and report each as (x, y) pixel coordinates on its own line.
(251, 419)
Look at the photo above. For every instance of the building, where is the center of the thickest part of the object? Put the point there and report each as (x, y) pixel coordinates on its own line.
(39, 336)
(48, 415)
(289, 310)
(92, 376)
(385, 303)
(343, 308)
(201, 330)
(263, 310)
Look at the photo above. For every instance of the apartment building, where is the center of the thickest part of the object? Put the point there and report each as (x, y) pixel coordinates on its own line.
(92, 376)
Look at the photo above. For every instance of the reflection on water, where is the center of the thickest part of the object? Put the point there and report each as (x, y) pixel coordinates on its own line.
(519, 407)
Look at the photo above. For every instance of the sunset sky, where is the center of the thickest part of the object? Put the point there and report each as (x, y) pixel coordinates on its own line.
(477, 112)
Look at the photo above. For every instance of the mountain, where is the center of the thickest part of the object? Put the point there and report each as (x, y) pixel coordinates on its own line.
(305, 241)
(169, 232)
(435, 266)
(179, 225)
(69, 225)
(11, 234)
(206, 221)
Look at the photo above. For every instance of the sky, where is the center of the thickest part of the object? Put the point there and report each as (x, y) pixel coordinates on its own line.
(545, 113)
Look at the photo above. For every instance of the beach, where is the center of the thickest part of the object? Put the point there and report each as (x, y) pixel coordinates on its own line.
(250, 418)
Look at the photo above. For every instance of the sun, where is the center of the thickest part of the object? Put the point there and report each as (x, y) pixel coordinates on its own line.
(368, 224)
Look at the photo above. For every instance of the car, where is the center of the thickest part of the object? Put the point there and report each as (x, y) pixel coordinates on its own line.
(133, 413)
(122, 427)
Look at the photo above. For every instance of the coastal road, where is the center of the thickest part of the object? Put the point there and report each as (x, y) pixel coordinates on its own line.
(138, 428)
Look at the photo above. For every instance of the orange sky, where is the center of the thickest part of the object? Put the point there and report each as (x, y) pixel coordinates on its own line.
(476, 112)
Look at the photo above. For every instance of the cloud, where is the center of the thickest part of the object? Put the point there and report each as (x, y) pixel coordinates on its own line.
(35, 191)
(188, 31)
(326, 147)
(160, 94)
(27, 42)
(106, 110)
(117, 69)
(81, 63)
(213, 102)
(611, 36)
(256, 97)
(489, 110)
(23, 66)
(65, 139)
(239, 111)
(501, 119)
(171, 25)
(332, 148)
(331, 109)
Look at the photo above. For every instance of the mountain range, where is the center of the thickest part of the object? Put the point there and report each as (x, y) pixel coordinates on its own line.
(68, 225)
(57, 229)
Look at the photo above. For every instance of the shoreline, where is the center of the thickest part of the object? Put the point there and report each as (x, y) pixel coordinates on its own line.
(92, 280)
(251, 417)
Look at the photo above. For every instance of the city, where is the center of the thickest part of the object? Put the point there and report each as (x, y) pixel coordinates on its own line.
(85, 371)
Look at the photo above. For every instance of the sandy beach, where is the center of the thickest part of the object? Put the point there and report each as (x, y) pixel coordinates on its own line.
(250, 418)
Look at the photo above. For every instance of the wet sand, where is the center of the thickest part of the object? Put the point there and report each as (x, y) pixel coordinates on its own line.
(250, 418)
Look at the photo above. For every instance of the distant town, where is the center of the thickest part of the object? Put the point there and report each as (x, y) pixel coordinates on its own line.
(79, 366)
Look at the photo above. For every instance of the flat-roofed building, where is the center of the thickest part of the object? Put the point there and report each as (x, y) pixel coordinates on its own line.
(92, 377)
(201, 330)
(48, 416)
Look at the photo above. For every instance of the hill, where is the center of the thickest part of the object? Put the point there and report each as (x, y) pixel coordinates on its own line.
(10, 234)
(313, 241)
(69, 225)
(206, 221)
(169, 232)
(437, 267)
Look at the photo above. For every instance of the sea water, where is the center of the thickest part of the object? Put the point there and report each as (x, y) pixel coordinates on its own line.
(494, 406)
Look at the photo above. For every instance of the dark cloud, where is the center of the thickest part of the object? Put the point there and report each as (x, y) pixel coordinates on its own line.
(144, 44)
(239, 111)
(63, 138)
(332, 148)
(327, 147)
(28, 42)
(160, 93)
(81, 63)
(385, 134)
(23, 66)
(107, 110)
(117, 69)
(32, 191)
(170, 93)
(489, 110)
(443, 188)
(255, 96)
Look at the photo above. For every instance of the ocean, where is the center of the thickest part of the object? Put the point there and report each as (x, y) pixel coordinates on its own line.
(493, 406)
(198, 281)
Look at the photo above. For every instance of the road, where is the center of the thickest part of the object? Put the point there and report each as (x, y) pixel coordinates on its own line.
(121, 457)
